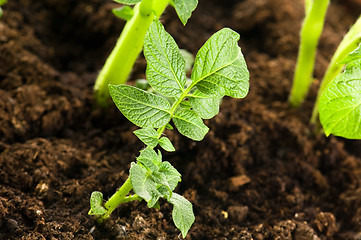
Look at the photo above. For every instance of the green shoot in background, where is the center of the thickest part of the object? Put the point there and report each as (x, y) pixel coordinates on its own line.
(219, 70)
(310, 34)
(340, 102)
(348, 44)
(130, 43)
(2, 2)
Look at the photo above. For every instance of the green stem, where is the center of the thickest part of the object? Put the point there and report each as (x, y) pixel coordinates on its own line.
(118, 197)
(310, 34)
(132, 198)
(176, 104)
(130, 43)
(308, 5)
(348, 44)
(121, 195)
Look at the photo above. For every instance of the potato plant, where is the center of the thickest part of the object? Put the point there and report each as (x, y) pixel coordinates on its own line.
(348, 44)
(219, 70)
(340, 102)
(310, 33)
(130, 43)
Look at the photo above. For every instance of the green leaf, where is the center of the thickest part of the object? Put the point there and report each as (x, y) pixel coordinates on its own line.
(125, 12)
(142, 108)
(184, 9)
(353, 58)
(168, 126)
(143, 184)
(96, 204)
(151, 178)
(166, 144)
(149, 136)
(172, 175)
(190, 124)
(185, 104)
(165, 191)
(182, 214)
(150, 159)
(340, 105)
(128, 2)
(204, 105)
(220, 68)
(1, 12)
(165, 65)
(157, 205)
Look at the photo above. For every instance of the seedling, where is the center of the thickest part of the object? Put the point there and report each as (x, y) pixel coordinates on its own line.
(219, 70)
(340, 102)
(2, 2)
(310, 34)
(130, 43)
(347, 45)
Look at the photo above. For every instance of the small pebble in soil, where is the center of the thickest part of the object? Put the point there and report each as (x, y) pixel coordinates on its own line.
(92, 230)
(225, 214)
(122, 233)
(41, 189)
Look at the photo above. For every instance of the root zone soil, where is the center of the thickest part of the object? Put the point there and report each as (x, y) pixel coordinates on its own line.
(260, 173)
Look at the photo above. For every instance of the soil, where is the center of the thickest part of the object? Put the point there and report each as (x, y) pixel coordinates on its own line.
(262, 172)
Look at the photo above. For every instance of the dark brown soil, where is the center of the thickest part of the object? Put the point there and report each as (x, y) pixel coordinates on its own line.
(262, 172)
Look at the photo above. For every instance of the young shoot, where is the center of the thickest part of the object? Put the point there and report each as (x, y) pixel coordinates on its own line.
(310, 34)
(348, 44)
(340, 102)
(130, 43)
(219, 70)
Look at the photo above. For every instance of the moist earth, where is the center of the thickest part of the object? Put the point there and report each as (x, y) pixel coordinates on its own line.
(262, 172)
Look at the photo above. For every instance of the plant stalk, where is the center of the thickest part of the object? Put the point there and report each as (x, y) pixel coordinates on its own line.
(120, 196)
(347, 45)
(310, 34)
(132, 198)
(308, 5)
(129, 45)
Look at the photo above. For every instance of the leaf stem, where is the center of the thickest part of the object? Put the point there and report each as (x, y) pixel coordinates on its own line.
(310, 34)
(120, 196)
(132, 198)
(161, 130)
(175, 106)
(347, 45)
(130, 43)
